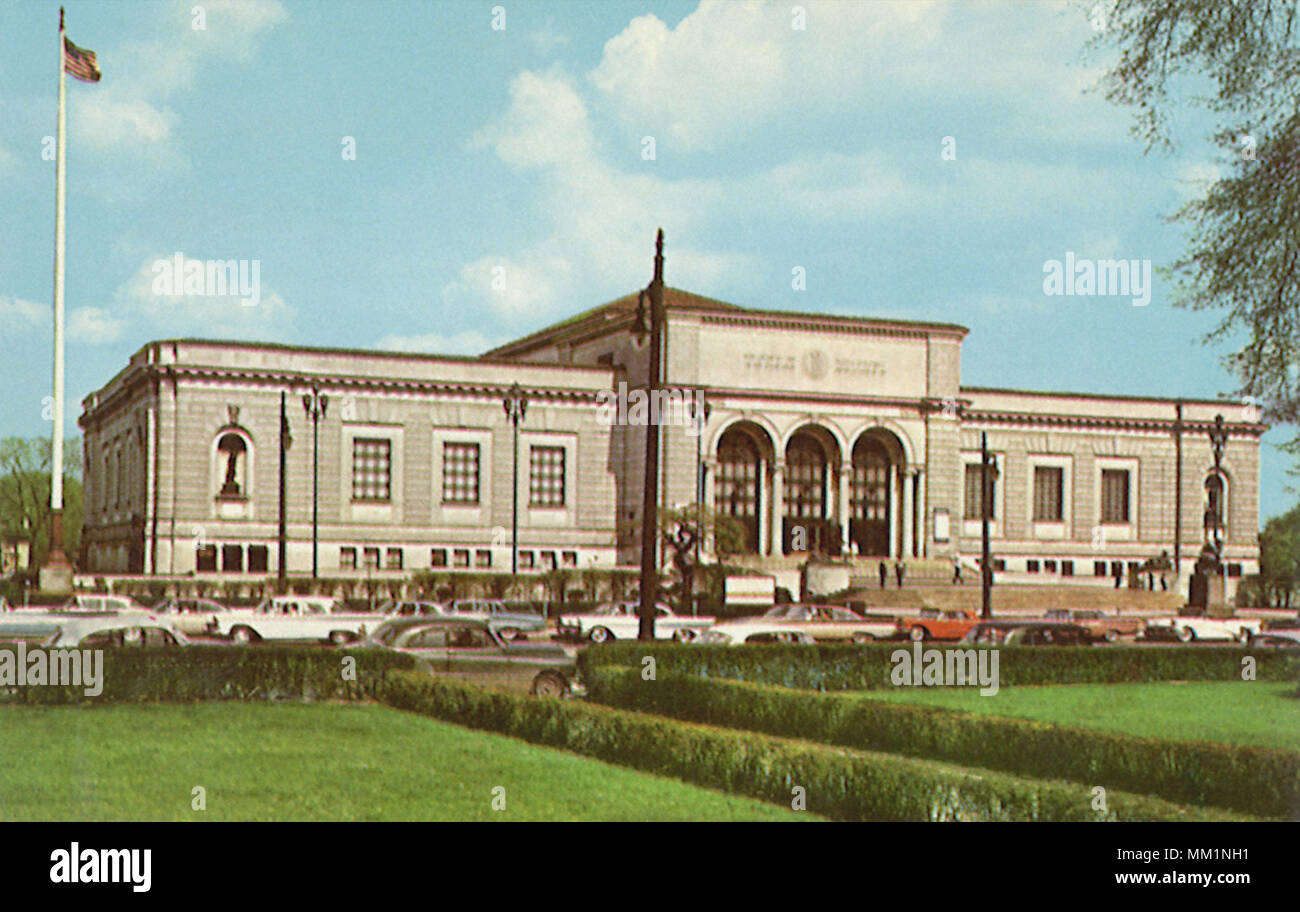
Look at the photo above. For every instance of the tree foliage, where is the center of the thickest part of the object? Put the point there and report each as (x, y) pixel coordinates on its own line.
(1239, 61)
(1279, 557)
(25, 494)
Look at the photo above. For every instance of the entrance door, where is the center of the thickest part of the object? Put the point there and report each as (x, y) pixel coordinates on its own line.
(735, 491)
(869, 498)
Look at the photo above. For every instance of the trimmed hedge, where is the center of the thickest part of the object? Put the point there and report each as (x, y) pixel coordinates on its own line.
(852, 667)
(843, 785)
(135, 675)
(1259, 781)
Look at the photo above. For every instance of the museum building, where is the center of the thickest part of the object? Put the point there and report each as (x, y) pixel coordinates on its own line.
(839, 436)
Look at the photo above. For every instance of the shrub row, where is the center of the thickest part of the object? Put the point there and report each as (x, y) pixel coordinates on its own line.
(850, 667)
(1259, 781)
(839, 784)
(133, 675)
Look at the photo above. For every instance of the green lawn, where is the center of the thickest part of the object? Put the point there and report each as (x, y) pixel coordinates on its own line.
(315, 762)
(1246, 712)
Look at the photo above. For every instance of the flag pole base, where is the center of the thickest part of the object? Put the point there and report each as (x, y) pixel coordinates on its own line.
(56, 574)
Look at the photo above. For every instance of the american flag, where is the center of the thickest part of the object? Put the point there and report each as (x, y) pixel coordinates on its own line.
(79, 62)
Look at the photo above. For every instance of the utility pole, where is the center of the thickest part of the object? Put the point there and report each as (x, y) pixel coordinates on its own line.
(286, 441)
(988, 473)
(651, 324)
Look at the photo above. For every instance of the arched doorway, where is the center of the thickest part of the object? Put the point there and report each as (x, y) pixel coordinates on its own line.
(737, 483)
(869, 498)
(807, 526)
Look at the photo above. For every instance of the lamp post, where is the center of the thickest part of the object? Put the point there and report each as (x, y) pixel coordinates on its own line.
(1218, 440)
(650, 323)
(286, 441)
(701, 417)
(988, 475)
(516, 405)
(315, 404)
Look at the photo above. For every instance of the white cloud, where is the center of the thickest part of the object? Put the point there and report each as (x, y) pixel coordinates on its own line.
(19, 313)
(93, 326)
(136, 305)
(547, 38)
(465, 343)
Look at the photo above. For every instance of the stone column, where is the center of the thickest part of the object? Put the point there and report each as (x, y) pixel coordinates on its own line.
(893, 510)
(762, 507)
(908, 504)
(778, 506)
(843, 511)
(922, 536)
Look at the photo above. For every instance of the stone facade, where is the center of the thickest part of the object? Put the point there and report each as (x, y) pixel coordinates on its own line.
(841, 435)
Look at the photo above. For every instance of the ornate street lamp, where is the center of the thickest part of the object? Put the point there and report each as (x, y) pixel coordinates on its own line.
(650, 322)
(516, 405)
(286, 441)
(1218, 440)
(315, 404)
(988, 476)
(701, 418)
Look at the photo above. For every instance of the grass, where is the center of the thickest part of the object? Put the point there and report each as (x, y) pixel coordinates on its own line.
(315, 762)
(1260, 714)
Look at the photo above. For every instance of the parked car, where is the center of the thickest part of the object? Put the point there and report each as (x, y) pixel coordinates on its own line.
(294, 617)
(90, 603)
(1191, 628)
(116, 630)
(938, 624)
(1030, 632)
(1277, 638)
(753, 632)
(191, 616)
(472, 649)
(1102, 626)
(513, 623)
(619, 621)
(825, 623)
(31, 625)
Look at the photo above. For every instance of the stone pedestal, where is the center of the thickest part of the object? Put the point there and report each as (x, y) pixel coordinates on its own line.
(56, 574)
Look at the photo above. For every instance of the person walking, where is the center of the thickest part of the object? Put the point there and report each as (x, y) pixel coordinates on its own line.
(956, 570)
(884, 574)
(898, 573)
(1118, 569)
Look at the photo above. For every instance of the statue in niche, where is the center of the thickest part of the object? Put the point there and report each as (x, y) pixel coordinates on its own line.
(232, 446)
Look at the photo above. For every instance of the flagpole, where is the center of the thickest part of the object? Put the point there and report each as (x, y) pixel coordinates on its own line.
(56, 575)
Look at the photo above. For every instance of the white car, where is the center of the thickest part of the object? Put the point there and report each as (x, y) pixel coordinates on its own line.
(619, 621)
(1188, 629)
(135, 629)
(89, 603)
(742, 633)
(295, 617)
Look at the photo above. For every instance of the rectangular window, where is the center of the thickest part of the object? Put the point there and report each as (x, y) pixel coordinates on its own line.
(257, 559)
(546, 477)
(1049, 484)
(482, 558)
(438, 557)
(393, 559)
(371, 559)
(460, 473)
(205, 558)
(1234, 570)
(569, 558)
(232, 558)
(348, 558)
(1099, 568)
(974, 476)
(1114, 496)
(1049, 566)
(548, 560)
(1067, 568)
(527, 560)
(461, 557)
(1031, 566)
(372, 469)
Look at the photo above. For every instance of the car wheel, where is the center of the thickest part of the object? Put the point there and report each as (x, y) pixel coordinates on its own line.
(549, 685)
(340, 638)
(242, 635)
(918, 634)
(600, 635)
(1244, 635)
(863, 638)
(1186, 635)
(1112, 636)
(509, 633)
(683, 636)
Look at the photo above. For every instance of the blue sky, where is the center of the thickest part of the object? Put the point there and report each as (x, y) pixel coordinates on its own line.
(519, 153)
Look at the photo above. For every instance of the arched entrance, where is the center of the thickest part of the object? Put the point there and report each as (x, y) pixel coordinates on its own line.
(737, 484)
(869, 498)
(807, 525)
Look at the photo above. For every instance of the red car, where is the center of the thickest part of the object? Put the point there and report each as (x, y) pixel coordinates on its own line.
(938, 624)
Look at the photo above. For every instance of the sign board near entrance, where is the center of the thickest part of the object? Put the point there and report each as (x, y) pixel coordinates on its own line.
(749, 590)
